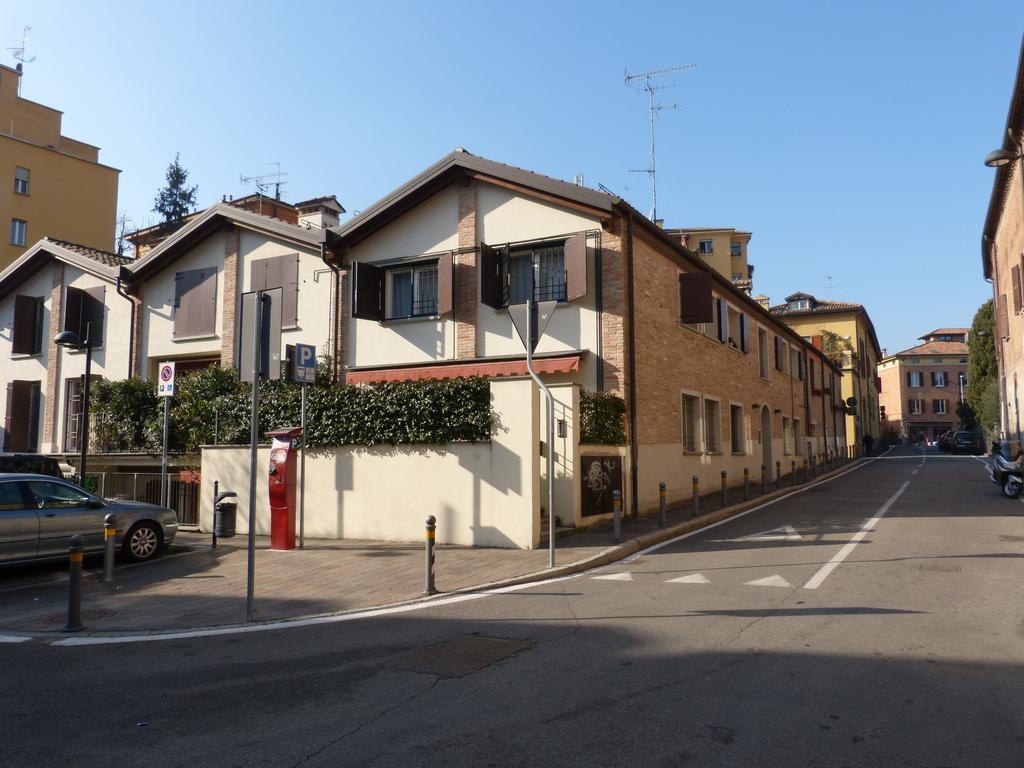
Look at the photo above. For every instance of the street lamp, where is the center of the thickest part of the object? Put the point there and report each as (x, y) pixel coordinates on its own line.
(961, 376)
(1000, 157)
(71, 340)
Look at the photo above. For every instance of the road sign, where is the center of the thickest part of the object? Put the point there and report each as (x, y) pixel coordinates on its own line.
(165, 380)
(542, 311)
(304, 364)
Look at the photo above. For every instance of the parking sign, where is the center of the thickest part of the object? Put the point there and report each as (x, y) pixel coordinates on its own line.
(305, 364)
(165, 380)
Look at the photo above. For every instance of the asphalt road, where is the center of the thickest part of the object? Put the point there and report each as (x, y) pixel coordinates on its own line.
(879, 622)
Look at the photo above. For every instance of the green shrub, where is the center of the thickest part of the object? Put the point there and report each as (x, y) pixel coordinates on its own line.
(602, 418)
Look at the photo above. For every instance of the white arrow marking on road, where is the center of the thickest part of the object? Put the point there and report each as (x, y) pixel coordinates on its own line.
(615, 577)
(693, 578)
(770, 581)
(785, 533)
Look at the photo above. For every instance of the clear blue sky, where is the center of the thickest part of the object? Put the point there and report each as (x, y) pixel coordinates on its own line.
(848, 137)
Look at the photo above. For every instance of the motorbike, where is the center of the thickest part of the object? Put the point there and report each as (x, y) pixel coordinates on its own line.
(1008, 474)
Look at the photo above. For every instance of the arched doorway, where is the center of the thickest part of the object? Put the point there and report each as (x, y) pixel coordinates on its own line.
(766, 439)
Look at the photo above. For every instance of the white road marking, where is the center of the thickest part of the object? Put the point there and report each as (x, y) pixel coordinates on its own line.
(785, 533)
(615, 577)
(768, 581)
(693, 578)
(842, 554)
(915, 471)
(13, 639)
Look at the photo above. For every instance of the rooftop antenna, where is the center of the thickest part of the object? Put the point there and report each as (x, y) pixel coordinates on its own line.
(19, 54)
(828, 283)
(653, 108)
(264, 182)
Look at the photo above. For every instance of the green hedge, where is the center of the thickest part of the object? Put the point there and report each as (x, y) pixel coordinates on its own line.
(602, 418)
(214, 406)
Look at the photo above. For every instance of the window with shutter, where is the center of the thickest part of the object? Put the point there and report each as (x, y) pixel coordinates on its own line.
(493, 267)
(18, 417)
(576, 267)
(27, 334)
(723, 320)
(744, 334)
(445, 283)
(1002, 323)
(279, 272)
(195, 303)
(1015, 280)
(368, 292)
(695, 300)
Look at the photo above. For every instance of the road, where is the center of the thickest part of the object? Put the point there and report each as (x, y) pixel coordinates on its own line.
(874, 620)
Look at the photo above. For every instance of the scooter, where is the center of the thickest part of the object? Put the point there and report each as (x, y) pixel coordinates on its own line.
(1008, 475)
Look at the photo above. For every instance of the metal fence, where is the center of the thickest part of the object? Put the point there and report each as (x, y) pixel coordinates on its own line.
(183, 497)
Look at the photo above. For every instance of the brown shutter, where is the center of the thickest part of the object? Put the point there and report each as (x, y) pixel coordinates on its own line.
(8, 411)
(695, 305)
(25, 331)
(290, 289)
(258, 275)
(195, 303)
(492, 284)
(744, 333)
(576, 267)
(93, 312)
(74, 303)
(368, 291)
(780, 360)
(1015, 279)
(19, 408)
(445, 283)
(1002, 323)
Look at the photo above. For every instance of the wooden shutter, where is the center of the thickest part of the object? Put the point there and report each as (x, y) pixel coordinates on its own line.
(1015, 280)
(26, 329)
(910, 381)
(445, 283)
(8, 411)
(576, 267)
(290, 289)
(492, 276)
(74, 302)
(800, 365)
(19, 409)
(258, 275)
(695, 305)
(744, 333)
(780, 359)
(195, 303)
(723, 320)
(1002, 323)
(93, 313)
(368, 291)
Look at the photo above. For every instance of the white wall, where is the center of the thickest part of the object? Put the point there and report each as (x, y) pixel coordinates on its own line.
(24, 367)
(482, 494)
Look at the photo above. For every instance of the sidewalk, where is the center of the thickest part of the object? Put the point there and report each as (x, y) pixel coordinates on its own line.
(193, 585)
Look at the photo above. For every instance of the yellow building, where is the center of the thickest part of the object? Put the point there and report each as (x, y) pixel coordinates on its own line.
(50, 185)
(856, 346)
(723, 249)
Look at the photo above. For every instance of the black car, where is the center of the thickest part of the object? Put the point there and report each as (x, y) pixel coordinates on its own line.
(966, 442)
(30, 463)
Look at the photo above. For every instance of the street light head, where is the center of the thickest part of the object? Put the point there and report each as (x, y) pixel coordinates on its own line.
(999, 157)
(67, 339)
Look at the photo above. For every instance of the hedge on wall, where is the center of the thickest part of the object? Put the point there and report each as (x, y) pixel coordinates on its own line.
(602, 418)
(213, 406)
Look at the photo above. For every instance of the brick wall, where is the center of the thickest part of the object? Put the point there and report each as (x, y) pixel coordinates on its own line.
(613, 316)
(230, 298)
(51, 435)
(341, 316)
(1008, 252)
(466, 280)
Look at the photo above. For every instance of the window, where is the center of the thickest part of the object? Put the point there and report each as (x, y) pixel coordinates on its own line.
(195, 303)
(721, 320)
(781, 354)
(736, 431)
(706, 247)
(735, 249)
(940, 378)
(51, 495)
(737, 276)
(27, 334)
(555, 270)
(412, 291)
(799, 304)
(916, 407)
(737, 330)
(83, 313)
(915, 379)
(939, 407)
(691, 423)
(279, 272)
(786, 448)
(762, 352)
(696, 303)
(796, 364)
(21, 176)
(712, 427)
(19, 230)
(538, 272)
(796, 435)
(21, 417)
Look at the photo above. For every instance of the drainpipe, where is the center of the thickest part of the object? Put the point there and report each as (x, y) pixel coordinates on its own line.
(633, 448)
(131, 325)
(337, 306)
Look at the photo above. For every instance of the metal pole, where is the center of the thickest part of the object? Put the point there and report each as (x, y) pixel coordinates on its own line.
(696, 496)
(85, 399)
(302, 471)
(250, 582)
(616, 516)
(551, 432)
(428, 584)
(135, 486)
(163, 458)
(216, 490)
(75, 586)
(724, 485)
(109, 532)
(661, 505)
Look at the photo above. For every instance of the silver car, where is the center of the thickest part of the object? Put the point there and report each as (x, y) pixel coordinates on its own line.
(39, 514)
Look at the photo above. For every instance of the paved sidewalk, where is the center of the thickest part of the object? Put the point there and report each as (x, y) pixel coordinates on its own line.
(193, 585)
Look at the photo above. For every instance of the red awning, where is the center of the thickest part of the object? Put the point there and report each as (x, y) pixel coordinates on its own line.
(488, 369)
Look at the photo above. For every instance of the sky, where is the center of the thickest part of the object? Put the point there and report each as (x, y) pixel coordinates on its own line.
(847, 137)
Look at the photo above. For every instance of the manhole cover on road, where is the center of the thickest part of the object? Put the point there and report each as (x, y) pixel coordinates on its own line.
(62, 618)
(937, 568)
(461, 655)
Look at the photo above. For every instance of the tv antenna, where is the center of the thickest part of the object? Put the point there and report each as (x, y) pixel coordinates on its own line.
(828, 283)
(19, 53)
(264, 182)
(649, 87)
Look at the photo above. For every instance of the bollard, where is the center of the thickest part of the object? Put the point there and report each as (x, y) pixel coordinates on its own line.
(746, 483)
(764, 480)
(216, 488)
(661, 505)
(616, 516)
(75, 586)
(428, 586)
(725, 502)
(109, 532)
(778, 475)
(696, 497)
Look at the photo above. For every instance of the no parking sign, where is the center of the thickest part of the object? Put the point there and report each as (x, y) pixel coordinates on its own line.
(165, 380)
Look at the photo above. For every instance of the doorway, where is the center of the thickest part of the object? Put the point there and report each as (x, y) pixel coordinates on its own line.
(766, 439)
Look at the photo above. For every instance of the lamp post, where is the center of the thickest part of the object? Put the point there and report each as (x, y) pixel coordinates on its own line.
(71, 340)
(961, 376)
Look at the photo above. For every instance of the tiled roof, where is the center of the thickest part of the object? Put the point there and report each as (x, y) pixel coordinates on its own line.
(937, 348)
(103, 257)
(819, 308)
(944, 331)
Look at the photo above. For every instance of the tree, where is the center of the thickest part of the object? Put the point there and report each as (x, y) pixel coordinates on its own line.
(968, 418)
(835, 347)
(176, 200)
(982, 371)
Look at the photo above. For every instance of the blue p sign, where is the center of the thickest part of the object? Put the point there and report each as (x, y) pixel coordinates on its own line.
(305, 364)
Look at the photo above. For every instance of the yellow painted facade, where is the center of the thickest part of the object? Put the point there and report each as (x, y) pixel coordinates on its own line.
(50, 185)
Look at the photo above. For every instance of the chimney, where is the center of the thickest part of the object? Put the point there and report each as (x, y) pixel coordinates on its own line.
(320, 213)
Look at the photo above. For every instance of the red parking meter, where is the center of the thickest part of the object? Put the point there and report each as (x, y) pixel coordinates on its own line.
(282, 487)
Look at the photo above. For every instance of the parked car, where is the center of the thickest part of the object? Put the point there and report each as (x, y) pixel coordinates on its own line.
(39, 514)
(967, 442)
(945, 440)
(31, 463)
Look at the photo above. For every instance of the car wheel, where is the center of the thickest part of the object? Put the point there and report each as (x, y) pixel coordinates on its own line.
(1012, 487)
(142, 542)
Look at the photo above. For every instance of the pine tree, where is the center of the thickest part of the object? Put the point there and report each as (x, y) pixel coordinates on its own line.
(176, 199)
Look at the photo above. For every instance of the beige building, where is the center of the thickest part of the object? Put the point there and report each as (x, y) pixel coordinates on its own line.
(857, 348)
(1002, 256)
(51, 186)
(921, 387)
(723, 249)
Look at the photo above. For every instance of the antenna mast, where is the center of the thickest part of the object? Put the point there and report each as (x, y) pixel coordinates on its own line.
(19, 54)
(653, 108)
(264, 182)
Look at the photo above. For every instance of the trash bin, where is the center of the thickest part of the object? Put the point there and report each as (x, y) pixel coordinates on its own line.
(224, 517)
